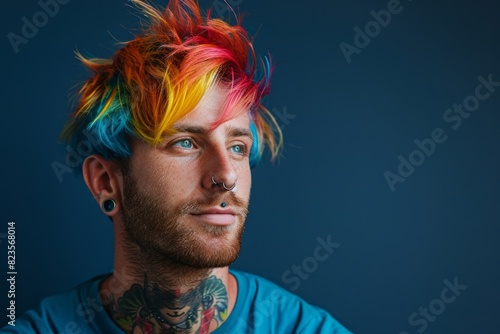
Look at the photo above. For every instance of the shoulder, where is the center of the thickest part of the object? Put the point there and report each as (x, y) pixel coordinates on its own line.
(68, 312)
(269, 307)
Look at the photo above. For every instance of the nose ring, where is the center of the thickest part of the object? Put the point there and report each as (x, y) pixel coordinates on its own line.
(223, 184)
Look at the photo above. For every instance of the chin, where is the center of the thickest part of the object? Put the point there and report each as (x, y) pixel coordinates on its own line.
(213, 253)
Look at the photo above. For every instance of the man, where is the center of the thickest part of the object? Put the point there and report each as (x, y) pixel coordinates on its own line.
(177, 124)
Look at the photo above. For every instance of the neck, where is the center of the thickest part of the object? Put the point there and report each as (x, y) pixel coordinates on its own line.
(149, 294)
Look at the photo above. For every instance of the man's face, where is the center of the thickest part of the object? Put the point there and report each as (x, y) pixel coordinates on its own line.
(170, 200)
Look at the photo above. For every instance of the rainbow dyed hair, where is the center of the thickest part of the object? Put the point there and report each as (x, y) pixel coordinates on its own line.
(162, 74)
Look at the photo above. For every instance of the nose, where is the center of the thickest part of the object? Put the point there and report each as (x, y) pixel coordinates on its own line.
(220, 172)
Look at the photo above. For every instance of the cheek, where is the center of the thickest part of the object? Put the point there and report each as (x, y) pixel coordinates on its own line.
(164, 179)
(245, 180)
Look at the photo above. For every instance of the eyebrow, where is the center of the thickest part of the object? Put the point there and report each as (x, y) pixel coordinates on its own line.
(231, 131)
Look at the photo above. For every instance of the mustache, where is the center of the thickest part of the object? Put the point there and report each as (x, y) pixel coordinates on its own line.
(239, 206)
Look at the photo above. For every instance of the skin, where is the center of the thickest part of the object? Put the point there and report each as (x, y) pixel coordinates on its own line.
(153, 235)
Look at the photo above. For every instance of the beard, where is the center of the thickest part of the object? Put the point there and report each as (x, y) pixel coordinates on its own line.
(172, 235)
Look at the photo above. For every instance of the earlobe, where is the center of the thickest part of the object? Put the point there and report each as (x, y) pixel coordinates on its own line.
(102, 179)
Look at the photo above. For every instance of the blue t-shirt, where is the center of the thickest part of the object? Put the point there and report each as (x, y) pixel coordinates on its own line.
(261, 307)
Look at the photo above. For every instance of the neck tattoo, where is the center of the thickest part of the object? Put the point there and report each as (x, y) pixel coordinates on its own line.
(151, 309)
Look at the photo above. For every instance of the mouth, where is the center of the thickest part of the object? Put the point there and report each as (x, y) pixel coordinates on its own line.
(216, 216)
(216, 219)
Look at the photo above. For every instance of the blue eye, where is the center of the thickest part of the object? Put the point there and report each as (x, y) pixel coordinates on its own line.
(240, 149)
(185, 143)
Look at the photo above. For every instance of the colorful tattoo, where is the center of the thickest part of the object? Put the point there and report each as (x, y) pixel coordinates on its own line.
(152, 310)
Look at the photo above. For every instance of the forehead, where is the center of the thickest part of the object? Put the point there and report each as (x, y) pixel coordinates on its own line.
(211, 109)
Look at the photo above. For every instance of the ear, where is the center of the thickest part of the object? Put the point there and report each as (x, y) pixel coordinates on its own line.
(104, 179)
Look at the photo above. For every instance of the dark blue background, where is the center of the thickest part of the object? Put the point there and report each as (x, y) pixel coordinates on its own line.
(351, 122)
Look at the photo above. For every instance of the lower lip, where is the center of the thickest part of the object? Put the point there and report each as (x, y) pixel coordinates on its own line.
(217, 219)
